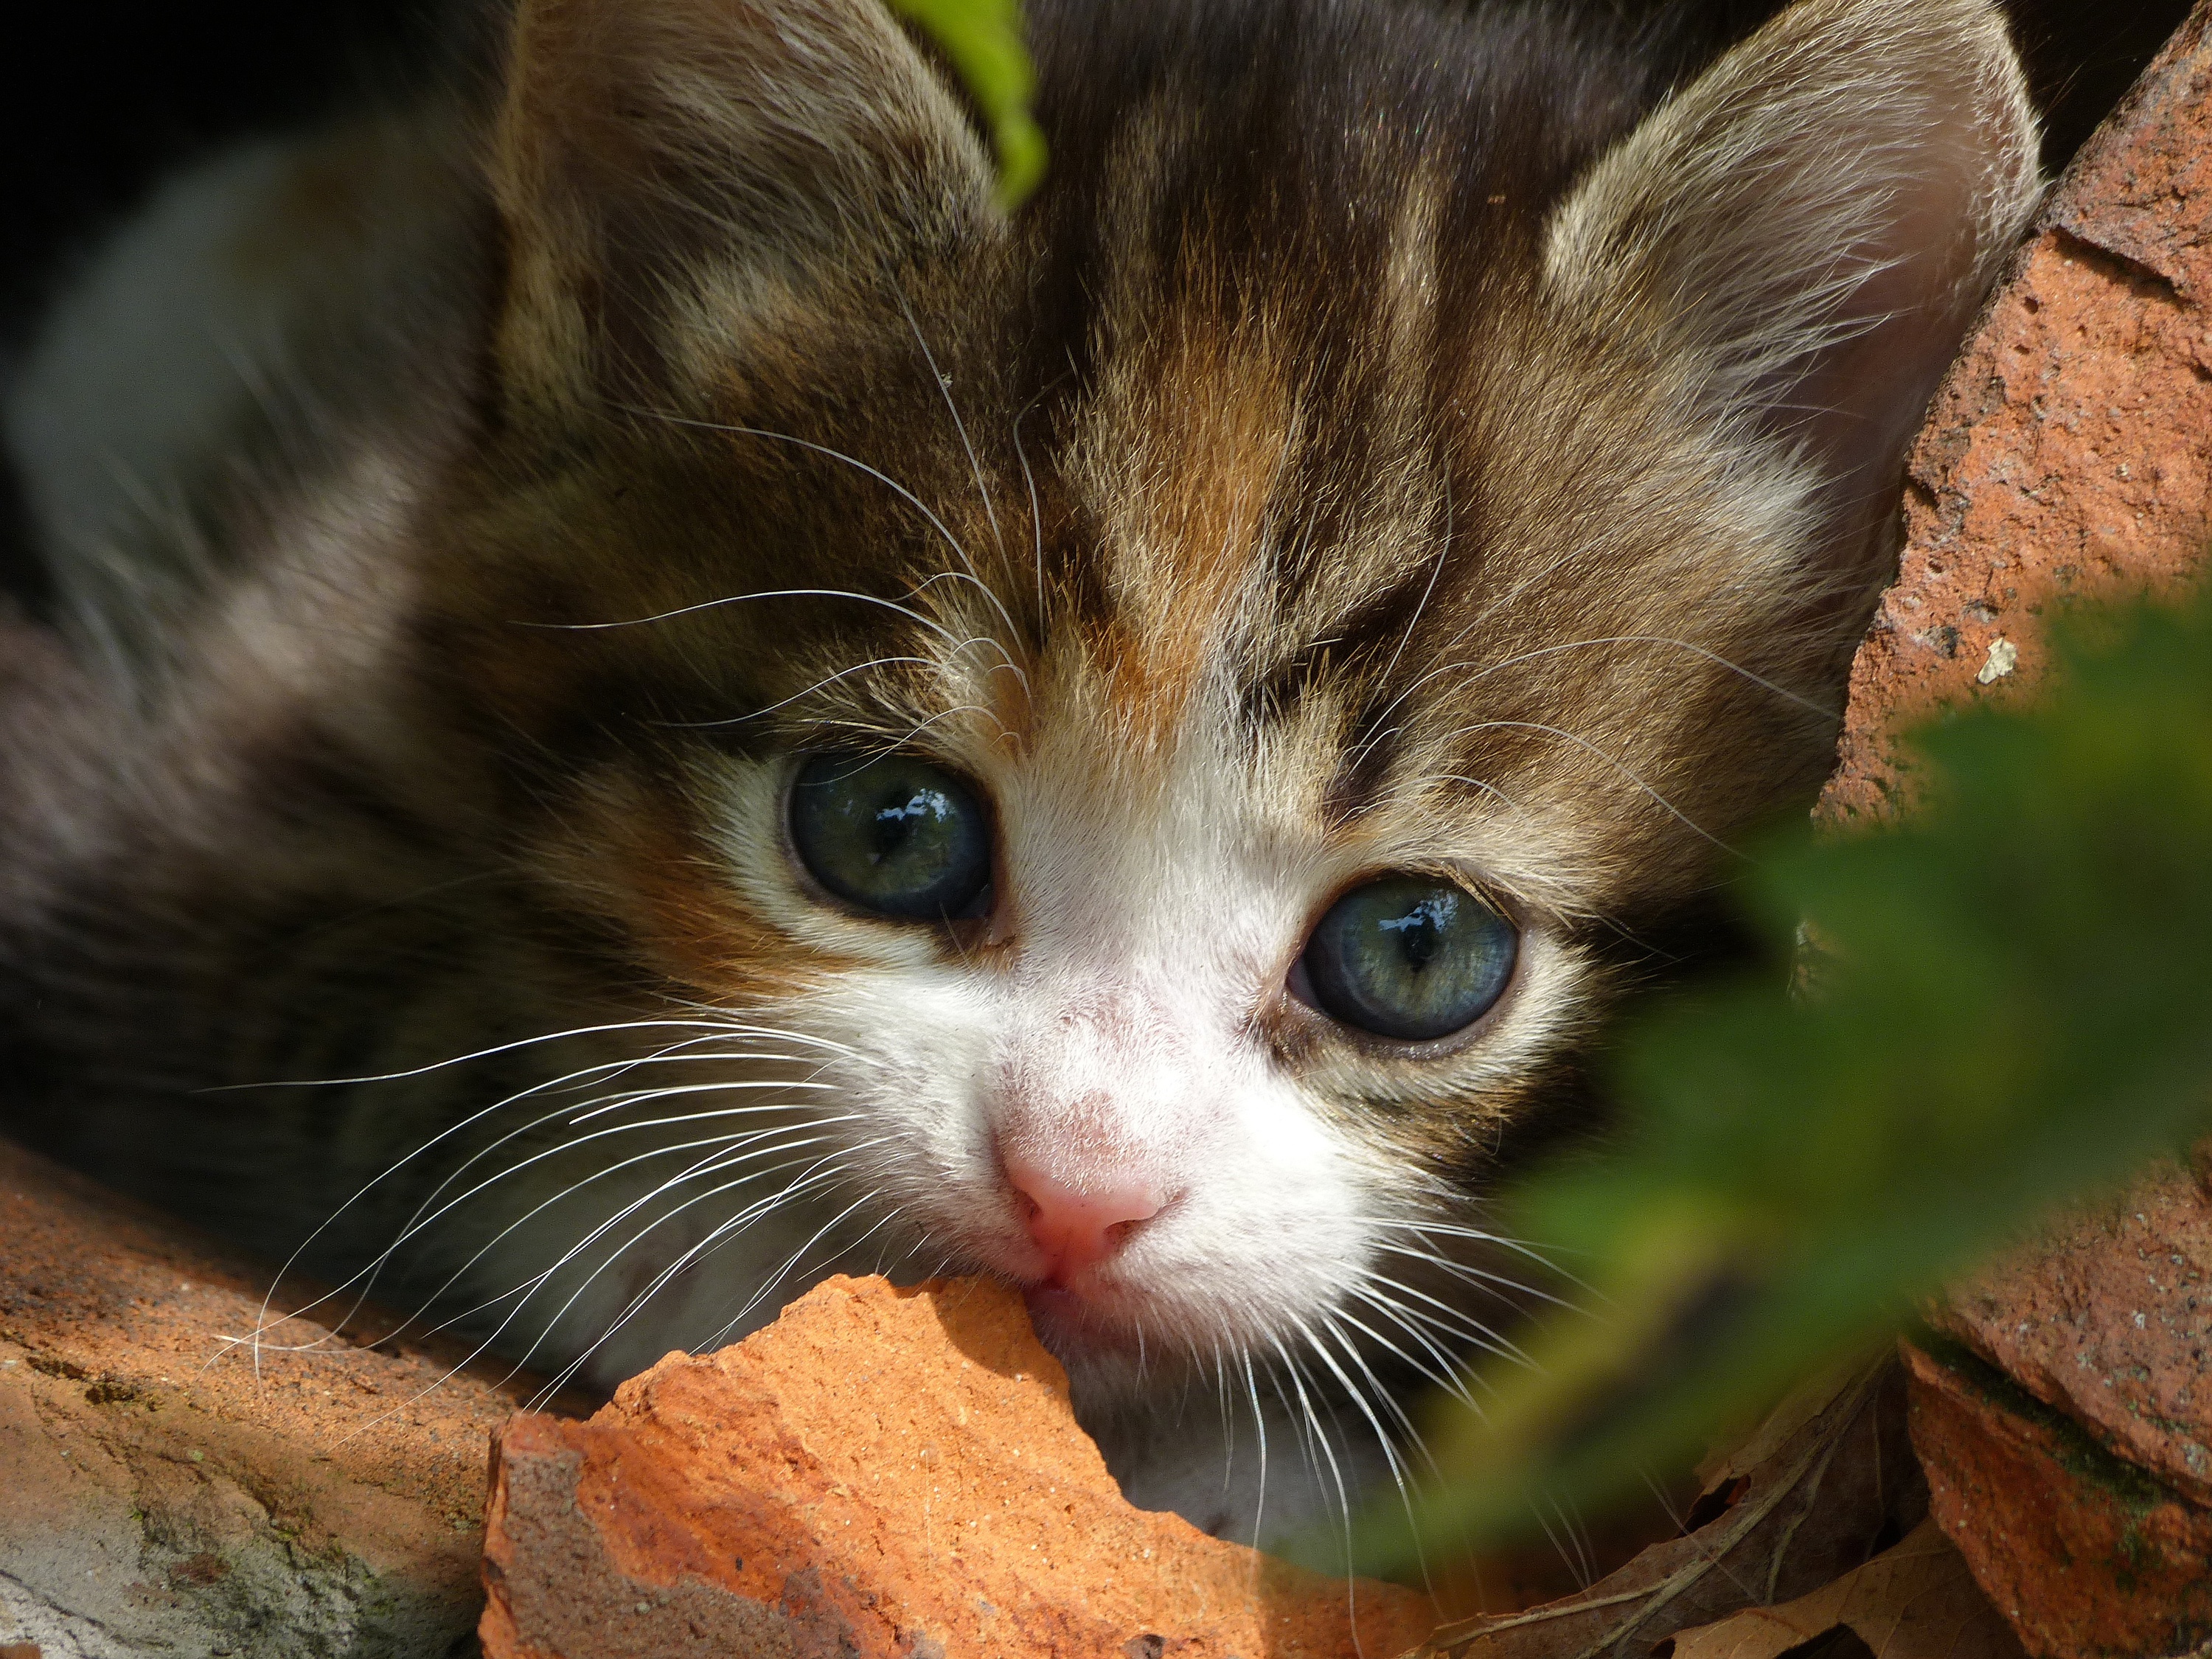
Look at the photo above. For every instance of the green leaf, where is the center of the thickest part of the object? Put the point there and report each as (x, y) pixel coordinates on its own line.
(983, 38)
(2012, 1008)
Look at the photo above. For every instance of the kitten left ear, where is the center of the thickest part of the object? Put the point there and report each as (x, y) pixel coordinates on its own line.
(1802, 236)
(670, 169)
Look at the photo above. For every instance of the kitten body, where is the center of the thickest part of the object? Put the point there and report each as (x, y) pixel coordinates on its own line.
(1396, 441)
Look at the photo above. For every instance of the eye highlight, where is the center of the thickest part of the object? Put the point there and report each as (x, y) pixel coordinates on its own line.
(892, 834)
(1409, 957)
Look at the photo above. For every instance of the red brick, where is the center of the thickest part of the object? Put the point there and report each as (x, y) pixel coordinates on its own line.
(163, 1492)
(881, 1472)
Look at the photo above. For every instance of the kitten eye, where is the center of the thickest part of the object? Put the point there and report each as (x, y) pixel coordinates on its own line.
(893, 834)
(1410, 958)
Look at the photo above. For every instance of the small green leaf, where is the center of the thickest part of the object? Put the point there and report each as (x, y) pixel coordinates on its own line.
(983, 38)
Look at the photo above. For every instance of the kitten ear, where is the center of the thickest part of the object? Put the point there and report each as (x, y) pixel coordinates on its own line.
(669, 167)
(1805, 232)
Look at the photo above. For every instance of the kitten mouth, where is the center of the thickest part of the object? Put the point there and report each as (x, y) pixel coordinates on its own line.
(1070, 1323)
(1053, 1303)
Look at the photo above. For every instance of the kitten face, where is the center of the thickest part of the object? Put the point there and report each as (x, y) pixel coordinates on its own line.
(1422, 498)
(1398, 504)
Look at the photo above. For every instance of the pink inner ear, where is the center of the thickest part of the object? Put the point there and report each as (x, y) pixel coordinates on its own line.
(1814, 220)
(1858, 402)
(1077, 1228)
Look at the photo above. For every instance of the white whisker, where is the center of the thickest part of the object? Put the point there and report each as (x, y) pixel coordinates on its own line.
(826, 680)
(529, 1286)
(1037, 518)
(882, 477)
(715, 1163)
(1618, 765)
(717, 1031)
(944, 383)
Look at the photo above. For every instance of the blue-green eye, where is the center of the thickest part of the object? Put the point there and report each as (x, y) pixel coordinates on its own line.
(893, 834)
(1410, 958)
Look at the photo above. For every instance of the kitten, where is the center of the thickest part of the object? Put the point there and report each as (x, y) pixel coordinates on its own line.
(664, 699)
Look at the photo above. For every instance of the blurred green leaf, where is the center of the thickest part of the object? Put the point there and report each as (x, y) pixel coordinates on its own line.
(2012, 1007)
(983, 38)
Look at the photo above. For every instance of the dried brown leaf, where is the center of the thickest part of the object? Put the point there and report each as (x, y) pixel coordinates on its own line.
(1829, 1473)
(1917, 1601)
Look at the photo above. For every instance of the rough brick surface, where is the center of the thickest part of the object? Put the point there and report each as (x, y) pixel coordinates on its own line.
(2067, 1435)
(881, 1472)
(2070, 449)
(2086, 1556)
(2109, 1321)
(157, 1496)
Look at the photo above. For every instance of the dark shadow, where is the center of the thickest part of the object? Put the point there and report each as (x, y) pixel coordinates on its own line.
(987, 1323)
(1837, 1642)
(23, 576)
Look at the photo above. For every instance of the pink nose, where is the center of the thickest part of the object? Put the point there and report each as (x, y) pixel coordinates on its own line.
(1076, 1229)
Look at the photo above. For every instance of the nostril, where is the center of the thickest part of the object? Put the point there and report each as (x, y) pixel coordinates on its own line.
(1074, 1225)
(1109, 1205)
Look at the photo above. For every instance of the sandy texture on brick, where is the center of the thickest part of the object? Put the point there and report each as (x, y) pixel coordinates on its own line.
(2085, 1555)
(2070, 450)
(2109, 1321)
(161, 1498)
(881, 1471)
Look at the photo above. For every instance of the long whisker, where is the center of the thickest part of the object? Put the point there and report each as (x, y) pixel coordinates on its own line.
(1443, 551)
(1438, 1369)
(719, 1142)
(716, 1031)
(886, 746)
(1617, 764)
(827, 679)
(877, 600)
(1482, 669)
(1399, 1473)
(1383, 802)
(1259, 1426)
(767, 1284)
(944, 382)
(883, 479)
(482, 1054)
(1452, 1230)
(528, 1287)
(1713, 656)
(715, 1161)
(1037, 518)
(1358, 1398)
(671, 1055)
(822, 1171)
(1452, 1320)
(1319, 1438)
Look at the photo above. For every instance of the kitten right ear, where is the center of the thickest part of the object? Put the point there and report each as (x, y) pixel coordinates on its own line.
(672, 168)
(1802, 236)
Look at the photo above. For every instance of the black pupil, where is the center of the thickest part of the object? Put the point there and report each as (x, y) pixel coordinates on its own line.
(894, 823)
(1420, 932)
(892, 834)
